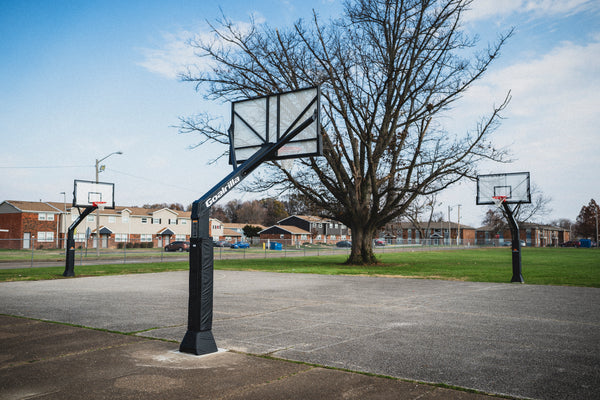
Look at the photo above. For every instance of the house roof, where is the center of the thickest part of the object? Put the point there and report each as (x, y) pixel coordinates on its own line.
(231, 225)
(287, 228)
(231, 232)
(308, 218)
(33, 206)
(432, 225)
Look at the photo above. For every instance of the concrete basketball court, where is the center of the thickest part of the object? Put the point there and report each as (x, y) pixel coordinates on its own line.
(520, 340)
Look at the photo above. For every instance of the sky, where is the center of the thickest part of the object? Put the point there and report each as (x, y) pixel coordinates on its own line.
(80, 80)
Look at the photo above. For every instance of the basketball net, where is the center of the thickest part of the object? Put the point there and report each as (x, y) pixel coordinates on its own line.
(99, 204)
(498, 200)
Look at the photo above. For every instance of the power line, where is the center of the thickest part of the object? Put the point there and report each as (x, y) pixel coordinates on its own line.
(47, 166)
(151, 180)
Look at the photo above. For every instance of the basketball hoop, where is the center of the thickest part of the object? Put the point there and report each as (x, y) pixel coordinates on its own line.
(498, 200)
(99, 204)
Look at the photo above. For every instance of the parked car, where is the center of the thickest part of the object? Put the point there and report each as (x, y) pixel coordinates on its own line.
(221, 243)
(344, 243)
(240, 245)
(380, 242)
(570, 243)
(178, 246)
(508, 243)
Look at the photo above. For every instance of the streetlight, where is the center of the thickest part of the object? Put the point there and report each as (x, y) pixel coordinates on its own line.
(99, 169)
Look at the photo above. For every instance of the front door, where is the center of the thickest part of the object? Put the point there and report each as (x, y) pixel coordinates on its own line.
(26, 240)
(104, 241)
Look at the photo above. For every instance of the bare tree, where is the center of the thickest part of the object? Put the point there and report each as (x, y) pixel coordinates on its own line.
(422, 211)
(388, 71)
(538, 208)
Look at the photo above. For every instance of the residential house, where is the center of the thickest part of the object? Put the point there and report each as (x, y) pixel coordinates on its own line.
(433, 233)
(534, 235)
(27, 224)
(299, 229)
(23, 223)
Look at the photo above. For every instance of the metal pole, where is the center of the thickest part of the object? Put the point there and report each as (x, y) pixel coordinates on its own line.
(458, 229)
(449, 235)
(516, 245)
(97, 217)
(596, 227)
(98, 210)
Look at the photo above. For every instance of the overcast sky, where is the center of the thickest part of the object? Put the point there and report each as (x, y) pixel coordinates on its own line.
(82, 79)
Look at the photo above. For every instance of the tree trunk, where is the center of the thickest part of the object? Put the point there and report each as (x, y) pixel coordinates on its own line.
(362, 246)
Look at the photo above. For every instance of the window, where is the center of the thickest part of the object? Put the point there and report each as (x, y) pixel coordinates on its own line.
(156, 221)
(73, 217)
(80, 237)
(91, 218)
(41, 216)
(112, 219)
(303, 237)
(144, 220)
(146, 237)
(173, 221)
(183, 222)
(45, 236)
(120, 237)
(125, 218)
(180, 238)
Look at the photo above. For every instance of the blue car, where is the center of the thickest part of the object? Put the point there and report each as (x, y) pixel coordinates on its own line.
(240, 245)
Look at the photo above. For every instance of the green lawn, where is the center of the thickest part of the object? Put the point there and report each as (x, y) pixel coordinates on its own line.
(573, 267)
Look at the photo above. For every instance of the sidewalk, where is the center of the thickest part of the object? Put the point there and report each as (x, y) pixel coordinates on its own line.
(44, 360)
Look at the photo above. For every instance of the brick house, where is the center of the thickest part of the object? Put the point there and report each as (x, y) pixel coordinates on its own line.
(23, 223)
(298, 229)
(285, 234)
(534, 235)
(437, 233)
(27, 224)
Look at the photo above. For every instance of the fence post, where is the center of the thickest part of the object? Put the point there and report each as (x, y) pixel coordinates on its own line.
(32, 248)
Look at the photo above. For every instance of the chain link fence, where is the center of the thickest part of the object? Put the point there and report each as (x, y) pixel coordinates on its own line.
(40, 252)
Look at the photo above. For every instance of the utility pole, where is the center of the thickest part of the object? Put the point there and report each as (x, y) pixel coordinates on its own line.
(458, 229)
(596, 227)
(449, 229)
(98, 167)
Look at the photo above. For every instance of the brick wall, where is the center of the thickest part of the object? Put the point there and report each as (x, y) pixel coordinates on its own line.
(12, 238)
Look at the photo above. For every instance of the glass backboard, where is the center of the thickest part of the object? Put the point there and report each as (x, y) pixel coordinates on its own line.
(262, 120)
(86, 193)
(515, 187)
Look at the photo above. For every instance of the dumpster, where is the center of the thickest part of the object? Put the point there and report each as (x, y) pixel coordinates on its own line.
(275, 246)
(587, 243)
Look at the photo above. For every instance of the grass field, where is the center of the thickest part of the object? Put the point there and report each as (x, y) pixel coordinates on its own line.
(572, 267)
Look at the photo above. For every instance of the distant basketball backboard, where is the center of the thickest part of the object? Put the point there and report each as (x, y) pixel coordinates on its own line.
(514, 187)
(86, 193)
(258, 121)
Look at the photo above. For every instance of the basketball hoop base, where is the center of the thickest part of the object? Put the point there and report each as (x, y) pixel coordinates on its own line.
(198, 343)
